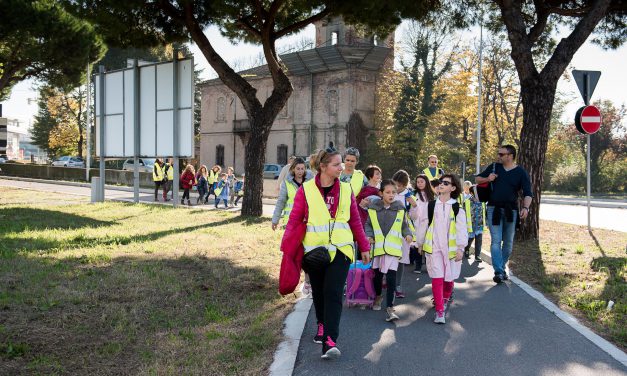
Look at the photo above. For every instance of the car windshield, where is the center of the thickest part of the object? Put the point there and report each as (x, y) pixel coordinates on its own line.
(148, 162)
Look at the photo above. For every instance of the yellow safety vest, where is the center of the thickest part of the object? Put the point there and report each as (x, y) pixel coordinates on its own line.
(392, 243)
(157, 173)
(427, 172)
(213, 177)
(467, 208)
(410, 222)
(357, 182)
(291, 193)
(170, 171)
(324, 231)
(452, 237)
(218, 189)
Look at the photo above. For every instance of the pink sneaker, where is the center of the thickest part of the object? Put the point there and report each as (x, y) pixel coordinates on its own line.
(399, 294)
(320, 335)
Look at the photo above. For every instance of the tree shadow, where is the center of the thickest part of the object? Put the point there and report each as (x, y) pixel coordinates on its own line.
(596, 241)
(19, 219)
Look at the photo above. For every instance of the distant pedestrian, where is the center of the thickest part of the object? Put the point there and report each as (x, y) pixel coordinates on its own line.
(296, 176)
(432, 170)
(239, 189)
(157, 176)
(507, 180)
(387, 229)
(169, 178)
(202, 185)
(187, 180)
(222, 191)
(284, 172)
(442, 235)
(423, 193)
(354, 177)
(325, 222)
(214, 177)
(475, 220)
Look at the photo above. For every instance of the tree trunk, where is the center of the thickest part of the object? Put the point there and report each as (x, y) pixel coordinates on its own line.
(538, 99)
(255, 157)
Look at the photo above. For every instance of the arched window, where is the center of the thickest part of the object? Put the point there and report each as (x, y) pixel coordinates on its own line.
(221, 109)
(220, 155)
(281, 154)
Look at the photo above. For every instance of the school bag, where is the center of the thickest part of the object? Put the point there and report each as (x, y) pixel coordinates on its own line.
(431, 209)
(360, 285)
(483, 191)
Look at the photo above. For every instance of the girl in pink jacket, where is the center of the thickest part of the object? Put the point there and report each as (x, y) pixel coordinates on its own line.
(443, 253)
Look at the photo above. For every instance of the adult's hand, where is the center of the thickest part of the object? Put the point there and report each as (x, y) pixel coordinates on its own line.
(524, 212)
(492, 177)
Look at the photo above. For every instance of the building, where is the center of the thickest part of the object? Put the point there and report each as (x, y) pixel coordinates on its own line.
(333, 99)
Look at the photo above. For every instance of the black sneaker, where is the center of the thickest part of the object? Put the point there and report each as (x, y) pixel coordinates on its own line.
(466, 254)
(478, 259)
(504, 276)
(320, 335)
(330, 350)
(497, 278)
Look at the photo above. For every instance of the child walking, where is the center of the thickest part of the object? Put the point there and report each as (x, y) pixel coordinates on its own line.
(387, 229)
(202, 186)
(187, 180)
(239, 189)
(423, 193)
(442, 235)
(475, 220)
(369, 192)
(222, 191)
(405, 197)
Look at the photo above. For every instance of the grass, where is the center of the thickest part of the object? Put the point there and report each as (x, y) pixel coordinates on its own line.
(117, 288)
(581, 272)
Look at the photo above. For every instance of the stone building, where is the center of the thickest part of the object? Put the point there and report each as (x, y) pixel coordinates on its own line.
(332, 102)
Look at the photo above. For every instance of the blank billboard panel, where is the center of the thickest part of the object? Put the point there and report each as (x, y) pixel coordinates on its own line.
(165, 132)
(165, 85)
(148, 111)
(129, 111)
(186, 136)
(114, 130)
(186, 75)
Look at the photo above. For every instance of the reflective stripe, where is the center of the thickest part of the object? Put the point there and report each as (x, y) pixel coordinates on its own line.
(392, 243)
(327, 228)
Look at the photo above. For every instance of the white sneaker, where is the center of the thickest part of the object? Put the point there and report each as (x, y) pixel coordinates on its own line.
(391, 314)
(439, 318)
(305, 289)
(377, 303)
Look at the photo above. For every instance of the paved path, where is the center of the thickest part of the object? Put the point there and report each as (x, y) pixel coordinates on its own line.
(490, 330)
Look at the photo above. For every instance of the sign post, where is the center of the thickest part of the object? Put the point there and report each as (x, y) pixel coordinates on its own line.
(587, 82)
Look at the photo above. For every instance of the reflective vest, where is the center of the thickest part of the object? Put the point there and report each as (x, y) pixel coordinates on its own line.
(392, 243)
(157, 172)
(324, 231)
(170, 170)
(452, 237)
(213, 177)
(467, 208)
(427, 172)
(410, 223)
(357, 182)
(291, 193)
(218, 189)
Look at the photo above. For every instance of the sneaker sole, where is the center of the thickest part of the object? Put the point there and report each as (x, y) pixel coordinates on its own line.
(390, 319)
(333, 353)
(440, 322)
(318, 342)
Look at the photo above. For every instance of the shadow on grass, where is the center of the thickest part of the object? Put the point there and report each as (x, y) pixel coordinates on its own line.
(596, 242)
(19, 219)
(187, 315)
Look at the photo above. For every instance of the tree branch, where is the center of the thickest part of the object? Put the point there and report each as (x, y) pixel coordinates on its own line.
(512, 16)
(299, 25)
(540, 25)
(245, 23)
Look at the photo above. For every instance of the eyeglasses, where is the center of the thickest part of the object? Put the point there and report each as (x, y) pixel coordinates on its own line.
(445, 182)
(503, 154)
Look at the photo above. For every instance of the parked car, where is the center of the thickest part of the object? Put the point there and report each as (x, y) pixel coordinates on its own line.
(271, 170)
(2, 160)
(67, 161)
(145, 165)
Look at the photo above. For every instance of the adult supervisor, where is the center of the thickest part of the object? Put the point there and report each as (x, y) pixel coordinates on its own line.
(433, 172)
(355, 178)
(327, 209)
(507, 179)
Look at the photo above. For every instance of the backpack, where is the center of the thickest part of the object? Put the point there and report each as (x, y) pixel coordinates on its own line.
(431, 209)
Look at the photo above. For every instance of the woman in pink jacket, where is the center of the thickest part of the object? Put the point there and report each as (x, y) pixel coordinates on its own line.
(328, 281)
(443, 242)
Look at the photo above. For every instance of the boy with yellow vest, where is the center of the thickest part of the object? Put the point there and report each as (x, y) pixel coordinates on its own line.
(442, 235)
(386, 227)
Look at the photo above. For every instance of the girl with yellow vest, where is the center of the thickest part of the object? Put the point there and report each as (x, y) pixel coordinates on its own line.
(157, 176)
(386, 228)
(423, 193)
(212, 179)
(406, 198)
(325, 222)
(296, 176)
(475, 220)
(443, 241)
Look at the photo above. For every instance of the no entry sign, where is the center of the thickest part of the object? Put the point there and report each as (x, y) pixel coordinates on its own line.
(588, 119)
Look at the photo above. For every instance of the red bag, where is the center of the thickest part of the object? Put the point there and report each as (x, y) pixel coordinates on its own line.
(291, 262)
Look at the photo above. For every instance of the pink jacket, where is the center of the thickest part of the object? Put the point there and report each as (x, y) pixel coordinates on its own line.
(297, 223)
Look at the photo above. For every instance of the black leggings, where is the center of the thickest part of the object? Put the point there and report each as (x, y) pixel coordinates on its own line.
(390, 279)
(478, 241)
(327, 288)
(185, 194)
(157, 186)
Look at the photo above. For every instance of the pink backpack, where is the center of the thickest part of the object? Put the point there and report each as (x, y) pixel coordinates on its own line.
(360, 287)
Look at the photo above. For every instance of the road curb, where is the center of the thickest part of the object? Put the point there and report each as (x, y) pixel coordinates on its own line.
(287, 351)
(566, 317)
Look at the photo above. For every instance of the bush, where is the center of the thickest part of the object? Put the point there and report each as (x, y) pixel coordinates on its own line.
(569, 178)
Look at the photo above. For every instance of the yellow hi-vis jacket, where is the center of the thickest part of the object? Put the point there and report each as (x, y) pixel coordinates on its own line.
(357, 182)
(324, 231)
(392, 243)
(467, 209)
(427, 172)
(452, 237)
(212, 178)
(289, 204)
(170, 169)
(157, 172)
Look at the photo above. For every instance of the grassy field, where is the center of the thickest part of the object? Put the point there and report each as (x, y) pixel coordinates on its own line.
(120, 289)
(579, 271)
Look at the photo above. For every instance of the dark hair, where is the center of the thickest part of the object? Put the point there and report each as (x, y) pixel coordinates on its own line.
(434, 183)
(324, 157)
(295, 162)
(510, 149)
(428, 188)
(370, 170)
(385, 183)
(401, 176)
(455, 181)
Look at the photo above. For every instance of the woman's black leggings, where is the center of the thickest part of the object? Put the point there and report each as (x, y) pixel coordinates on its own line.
(186, 194)
(390, 279)
(327, 289)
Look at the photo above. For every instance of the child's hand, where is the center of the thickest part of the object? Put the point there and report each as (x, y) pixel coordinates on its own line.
(364, 203)
(420, 250)
(365, 257)
(459, 255)
(412, 202)
(409, 238)
(371, 240)
(274, 226)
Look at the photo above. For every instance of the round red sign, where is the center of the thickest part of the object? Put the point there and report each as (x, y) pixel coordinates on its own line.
(588, 120)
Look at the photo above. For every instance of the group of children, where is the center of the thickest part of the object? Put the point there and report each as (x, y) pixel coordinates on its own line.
(224, 186)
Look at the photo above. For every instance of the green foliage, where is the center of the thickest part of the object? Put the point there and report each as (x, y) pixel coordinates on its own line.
(39, 39)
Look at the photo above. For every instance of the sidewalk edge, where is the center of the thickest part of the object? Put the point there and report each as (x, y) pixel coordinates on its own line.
(286, 352)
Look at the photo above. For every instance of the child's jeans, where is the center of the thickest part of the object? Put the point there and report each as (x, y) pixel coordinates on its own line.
(226, 205)
(390, 278)
(201, 193)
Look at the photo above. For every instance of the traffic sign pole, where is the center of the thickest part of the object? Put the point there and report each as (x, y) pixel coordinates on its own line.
(588, 178)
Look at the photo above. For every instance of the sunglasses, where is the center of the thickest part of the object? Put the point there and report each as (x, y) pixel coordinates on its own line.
(503, 154)
(445, 182)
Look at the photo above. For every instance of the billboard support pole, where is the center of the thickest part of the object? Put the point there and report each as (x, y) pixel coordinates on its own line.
(101, 132)
(175, 123)
(136, 132)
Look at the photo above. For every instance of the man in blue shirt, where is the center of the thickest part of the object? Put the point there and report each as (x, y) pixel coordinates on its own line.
(507, 180)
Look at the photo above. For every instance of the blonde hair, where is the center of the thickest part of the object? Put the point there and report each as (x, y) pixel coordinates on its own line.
(467, 184)
(323, 158)
(190, 168)
(313, 158)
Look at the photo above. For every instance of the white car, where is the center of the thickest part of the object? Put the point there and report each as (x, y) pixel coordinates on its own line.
(145, 165)
(67, 161)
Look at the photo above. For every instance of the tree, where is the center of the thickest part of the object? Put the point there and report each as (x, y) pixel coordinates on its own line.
(144, 22)
(36, 38)
(529, 25)
(57, 124)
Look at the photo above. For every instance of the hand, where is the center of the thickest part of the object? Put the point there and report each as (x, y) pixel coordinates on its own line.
(412, 202)
(459, 255)
(524, 212)
(409, 238)
(365, 257)
(274, 226)
(492, 177)
(365, 203)
(371, 240)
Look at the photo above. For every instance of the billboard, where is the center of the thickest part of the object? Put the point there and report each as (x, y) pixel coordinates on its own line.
(140, 114)
(3, 135)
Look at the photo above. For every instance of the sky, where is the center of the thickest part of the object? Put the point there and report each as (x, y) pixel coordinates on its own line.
(611, 63)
